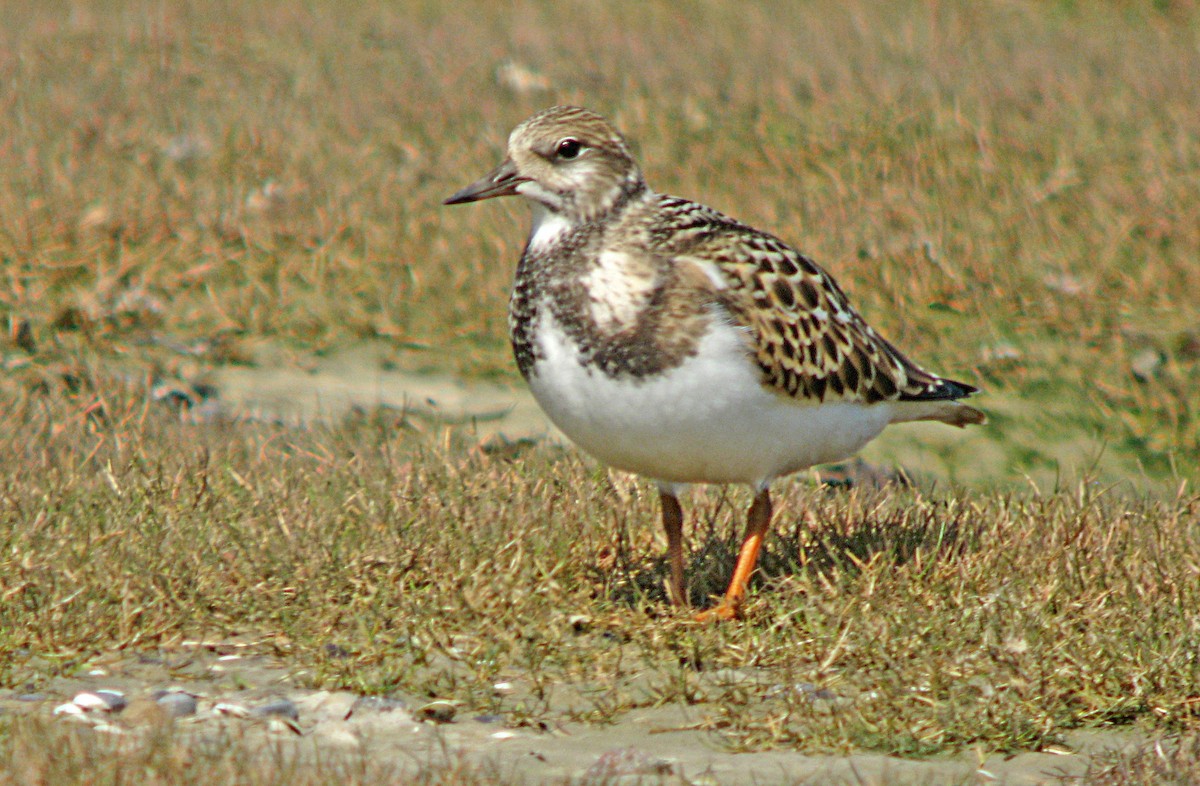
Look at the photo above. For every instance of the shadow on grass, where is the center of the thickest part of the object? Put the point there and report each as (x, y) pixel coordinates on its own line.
(832, 529)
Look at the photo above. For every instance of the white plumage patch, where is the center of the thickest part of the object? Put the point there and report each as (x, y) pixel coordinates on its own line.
(547, 225)
(618, 288)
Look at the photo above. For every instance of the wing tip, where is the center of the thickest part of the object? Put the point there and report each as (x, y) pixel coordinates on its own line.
(946, 392)
(940, 389)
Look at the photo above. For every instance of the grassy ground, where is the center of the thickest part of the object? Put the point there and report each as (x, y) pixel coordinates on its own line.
(1009, 191)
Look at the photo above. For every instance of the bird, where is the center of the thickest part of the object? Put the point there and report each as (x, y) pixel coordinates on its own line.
(669, 340)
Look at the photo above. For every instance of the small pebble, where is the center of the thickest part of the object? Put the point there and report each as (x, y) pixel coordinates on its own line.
(89, 701)
(177, 704)
(284, 708)
(488, 718)
(31, 697)
(100, 700)
(114, 698)
(503, 688)
(236, 710)
(69, 709)
(437, 711)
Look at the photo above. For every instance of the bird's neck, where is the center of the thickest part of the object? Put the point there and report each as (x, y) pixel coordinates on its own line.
(549, 227)
(554, 225)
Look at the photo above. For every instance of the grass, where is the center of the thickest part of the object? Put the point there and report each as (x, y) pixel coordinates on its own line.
(40, 751)
(992, 619)
(1006, 190)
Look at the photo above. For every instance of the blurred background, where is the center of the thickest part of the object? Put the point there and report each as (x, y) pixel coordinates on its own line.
(1007, 190)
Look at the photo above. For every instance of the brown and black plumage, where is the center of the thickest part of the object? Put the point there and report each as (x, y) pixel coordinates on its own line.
(670, 340)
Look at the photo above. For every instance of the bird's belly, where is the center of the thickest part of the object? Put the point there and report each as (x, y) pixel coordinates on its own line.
(707, 420)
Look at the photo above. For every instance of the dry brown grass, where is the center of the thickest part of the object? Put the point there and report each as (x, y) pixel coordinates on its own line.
(37, 752)
(941, 619)
(1173, 762)
(1007, 190)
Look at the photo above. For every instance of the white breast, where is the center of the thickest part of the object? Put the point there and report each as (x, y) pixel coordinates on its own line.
(708, 420)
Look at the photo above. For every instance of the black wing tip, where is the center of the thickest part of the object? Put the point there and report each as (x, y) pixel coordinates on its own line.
(942, 390)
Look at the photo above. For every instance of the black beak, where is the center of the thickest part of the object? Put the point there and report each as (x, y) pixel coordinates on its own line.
(501, 181)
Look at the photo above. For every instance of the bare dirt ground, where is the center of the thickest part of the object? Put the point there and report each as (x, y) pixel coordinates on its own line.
(361, 379)
(255, 699)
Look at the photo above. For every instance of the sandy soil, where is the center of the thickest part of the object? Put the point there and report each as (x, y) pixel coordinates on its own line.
(257, 698)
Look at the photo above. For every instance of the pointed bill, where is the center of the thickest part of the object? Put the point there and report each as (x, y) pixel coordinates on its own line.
(501, 181)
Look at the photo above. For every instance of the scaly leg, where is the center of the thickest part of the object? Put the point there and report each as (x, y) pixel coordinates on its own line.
(672, 516)
(758, 520)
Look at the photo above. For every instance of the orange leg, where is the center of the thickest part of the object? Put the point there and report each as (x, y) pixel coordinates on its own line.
(672, 516)
(758, 520)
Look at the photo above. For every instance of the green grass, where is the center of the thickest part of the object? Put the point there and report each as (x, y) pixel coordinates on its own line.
(1006, 191)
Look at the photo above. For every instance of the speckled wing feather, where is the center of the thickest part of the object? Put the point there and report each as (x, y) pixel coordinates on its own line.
(808, 341)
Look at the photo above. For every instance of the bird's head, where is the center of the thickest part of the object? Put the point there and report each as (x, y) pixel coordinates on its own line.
(566, 160)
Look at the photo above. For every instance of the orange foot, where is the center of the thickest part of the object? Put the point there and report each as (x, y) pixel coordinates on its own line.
(723, 612)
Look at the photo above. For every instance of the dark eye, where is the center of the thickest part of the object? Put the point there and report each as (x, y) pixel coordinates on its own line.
(568, 148)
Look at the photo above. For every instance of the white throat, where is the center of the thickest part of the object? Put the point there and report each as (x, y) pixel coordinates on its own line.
(547, 227)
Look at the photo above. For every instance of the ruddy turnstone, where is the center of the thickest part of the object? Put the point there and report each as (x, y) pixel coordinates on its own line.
(669, 340)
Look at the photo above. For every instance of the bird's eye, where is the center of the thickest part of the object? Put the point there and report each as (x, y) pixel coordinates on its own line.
(568, 148)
